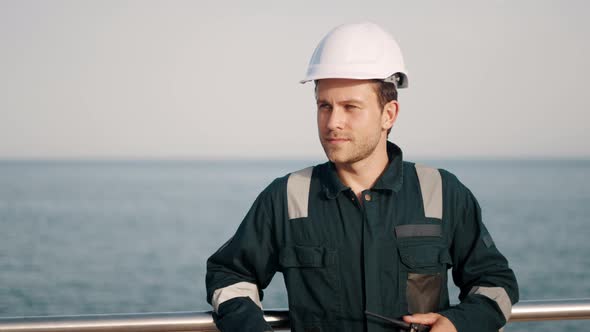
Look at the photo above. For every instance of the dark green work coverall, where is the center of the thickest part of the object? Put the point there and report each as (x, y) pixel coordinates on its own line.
(388, 255)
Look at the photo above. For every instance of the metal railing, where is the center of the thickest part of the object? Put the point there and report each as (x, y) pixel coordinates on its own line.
(278, 319)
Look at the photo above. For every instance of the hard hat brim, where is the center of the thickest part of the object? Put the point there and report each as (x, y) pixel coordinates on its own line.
(352, 76)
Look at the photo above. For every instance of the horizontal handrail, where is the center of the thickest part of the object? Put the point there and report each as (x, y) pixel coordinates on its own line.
(279, 319)
(539, 310)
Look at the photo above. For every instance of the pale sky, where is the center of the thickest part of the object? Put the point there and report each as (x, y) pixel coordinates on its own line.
(219, 79)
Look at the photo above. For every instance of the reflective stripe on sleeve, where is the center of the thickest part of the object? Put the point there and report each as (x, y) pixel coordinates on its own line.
(298, 186)
(431, 187)
(499, 295)
(240, 289)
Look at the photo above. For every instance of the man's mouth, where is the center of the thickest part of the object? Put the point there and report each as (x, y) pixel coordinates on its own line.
(336, 140)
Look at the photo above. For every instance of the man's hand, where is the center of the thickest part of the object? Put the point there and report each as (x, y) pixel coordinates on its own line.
(438, 323)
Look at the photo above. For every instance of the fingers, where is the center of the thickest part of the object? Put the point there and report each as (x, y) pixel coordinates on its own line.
(438, 322)
(427, 319)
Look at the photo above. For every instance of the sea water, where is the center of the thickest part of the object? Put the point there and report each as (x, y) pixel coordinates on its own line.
(90, 237)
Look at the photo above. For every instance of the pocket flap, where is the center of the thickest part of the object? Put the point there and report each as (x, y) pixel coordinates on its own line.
(303, 256)
(423, 256)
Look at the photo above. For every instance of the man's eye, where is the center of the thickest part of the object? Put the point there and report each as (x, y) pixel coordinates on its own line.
(324, 107)
(351, 107)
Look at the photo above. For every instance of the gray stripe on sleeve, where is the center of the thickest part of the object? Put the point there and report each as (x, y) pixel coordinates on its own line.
(498, 295)
(431, 187)
(298, 186)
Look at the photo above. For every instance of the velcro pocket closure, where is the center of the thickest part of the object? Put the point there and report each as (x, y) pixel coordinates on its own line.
(304, 256)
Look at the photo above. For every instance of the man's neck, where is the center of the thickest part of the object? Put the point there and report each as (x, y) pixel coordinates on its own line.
(363, 174)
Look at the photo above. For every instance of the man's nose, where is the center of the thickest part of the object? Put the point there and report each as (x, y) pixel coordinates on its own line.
(336, 119)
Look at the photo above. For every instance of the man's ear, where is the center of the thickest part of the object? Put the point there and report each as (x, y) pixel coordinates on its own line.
(389, 115)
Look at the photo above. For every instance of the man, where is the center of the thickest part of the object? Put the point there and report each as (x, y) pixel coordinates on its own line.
(365, 231)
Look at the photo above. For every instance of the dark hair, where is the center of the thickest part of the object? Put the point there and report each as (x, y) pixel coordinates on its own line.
(386, 92)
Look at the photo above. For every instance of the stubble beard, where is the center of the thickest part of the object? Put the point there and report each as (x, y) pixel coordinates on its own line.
(353, 151)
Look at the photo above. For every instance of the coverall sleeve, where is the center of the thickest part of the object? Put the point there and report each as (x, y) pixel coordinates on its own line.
(240, 269)
(488, 286)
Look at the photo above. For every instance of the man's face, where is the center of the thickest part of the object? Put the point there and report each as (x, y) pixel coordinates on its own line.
(351, 123)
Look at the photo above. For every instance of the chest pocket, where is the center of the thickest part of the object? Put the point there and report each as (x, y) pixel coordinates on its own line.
(313, 282)
(425, 257)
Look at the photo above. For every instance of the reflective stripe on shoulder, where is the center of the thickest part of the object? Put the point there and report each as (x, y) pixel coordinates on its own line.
(431, 187)
(298, 186)
(498, 295)
(240, 289)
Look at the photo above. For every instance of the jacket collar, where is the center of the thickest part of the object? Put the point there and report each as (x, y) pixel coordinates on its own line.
(390, 180)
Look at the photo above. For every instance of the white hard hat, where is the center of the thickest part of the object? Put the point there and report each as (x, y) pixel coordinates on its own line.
(358, 51)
